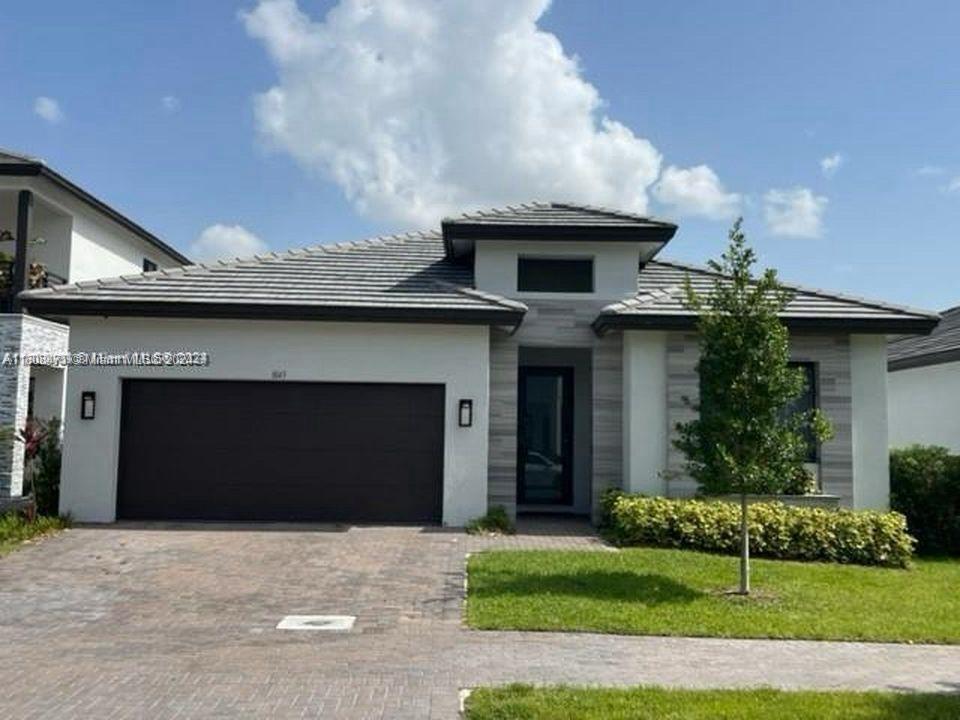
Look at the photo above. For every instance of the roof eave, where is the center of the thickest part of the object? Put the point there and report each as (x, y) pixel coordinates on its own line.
(34, 169)
(51, 305)
(882, 326)
(924, 360)
(460, 230)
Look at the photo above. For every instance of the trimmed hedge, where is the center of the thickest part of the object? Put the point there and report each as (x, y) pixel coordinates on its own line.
(925, 486)
(788, 533)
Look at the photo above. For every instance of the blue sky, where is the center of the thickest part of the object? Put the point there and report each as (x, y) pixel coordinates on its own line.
(755, 94)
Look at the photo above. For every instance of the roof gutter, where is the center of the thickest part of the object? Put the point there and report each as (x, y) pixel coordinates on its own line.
(605, 322)
(36, 169)
(52, 305)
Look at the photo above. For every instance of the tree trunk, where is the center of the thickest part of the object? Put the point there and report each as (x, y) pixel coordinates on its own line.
(744, 547)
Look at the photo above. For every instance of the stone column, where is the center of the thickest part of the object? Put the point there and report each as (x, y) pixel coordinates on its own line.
(14, 390)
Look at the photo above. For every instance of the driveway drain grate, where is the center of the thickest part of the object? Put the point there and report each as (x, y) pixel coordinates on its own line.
(332, 623)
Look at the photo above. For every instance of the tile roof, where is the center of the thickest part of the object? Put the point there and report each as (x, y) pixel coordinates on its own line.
(660, 291)
(940, 346)
(396, 277)
(408, 278)
(553, 221)
(556, 213)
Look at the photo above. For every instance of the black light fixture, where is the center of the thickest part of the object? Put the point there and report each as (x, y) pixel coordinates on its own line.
(88, 405)
(465, 417)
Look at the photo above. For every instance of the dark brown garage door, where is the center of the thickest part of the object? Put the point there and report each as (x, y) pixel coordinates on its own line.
(201, 450)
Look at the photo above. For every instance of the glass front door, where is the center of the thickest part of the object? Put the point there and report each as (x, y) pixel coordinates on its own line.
(545, 436)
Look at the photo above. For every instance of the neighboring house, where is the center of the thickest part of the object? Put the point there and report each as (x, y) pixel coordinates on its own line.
(51, 232)
(924, 386)
(530, 357)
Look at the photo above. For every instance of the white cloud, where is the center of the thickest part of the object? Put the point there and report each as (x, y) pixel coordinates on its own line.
(696, 191)
(417, 108)
(795, 212)
(953, 186)
(225, 242)
(48, 109)
(170, 103)
(928, 170)
(830, 164)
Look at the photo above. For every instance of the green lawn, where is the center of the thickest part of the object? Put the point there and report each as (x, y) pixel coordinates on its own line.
(518, 702)
(15, 530)
(679, 592)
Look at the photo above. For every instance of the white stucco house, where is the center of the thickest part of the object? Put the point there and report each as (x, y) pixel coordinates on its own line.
(924, 386)
(529, 357)
(51, 232)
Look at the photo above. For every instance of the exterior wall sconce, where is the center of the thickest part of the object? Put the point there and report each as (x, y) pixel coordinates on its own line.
(465, 415)
(88, 405)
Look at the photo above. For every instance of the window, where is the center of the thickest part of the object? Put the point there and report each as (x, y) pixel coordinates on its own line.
(806, 401)
(149, 265)
(555, 275)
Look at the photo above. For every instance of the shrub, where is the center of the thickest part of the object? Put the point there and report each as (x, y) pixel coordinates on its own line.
(496, 521)
(41, 439)
(925, 486)
(862, 537)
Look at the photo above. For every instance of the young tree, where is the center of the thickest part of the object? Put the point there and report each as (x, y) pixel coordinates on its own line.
(744, 441)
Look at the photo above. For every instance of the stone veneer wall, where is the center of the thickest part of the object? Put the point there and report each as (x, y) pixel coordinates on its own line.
(560, 323)
(831, 353)
(21, 335)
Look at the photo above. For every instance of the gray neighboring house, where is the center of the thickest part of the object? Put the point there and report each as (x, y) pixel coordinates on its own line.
(924, 386)
(52, 232)
(530, 357)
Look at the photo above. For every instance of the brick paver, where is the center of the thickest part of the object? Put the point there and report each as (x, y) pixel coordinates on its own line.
(179, 622)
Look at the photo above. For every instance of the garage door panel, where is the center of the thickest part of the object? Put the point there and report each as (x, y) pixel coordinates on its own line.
(281, 451)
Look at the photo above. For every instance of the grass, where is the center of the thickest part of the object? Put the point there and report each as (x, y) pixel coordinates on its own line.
(519, 702)
(14, 530)
(646, 591)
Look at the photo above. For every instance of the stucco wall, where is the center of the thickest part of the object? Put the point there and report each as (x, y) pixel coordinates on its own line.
(924, 406)
(614, 265)
(645, 435)
(870, 435)
(99, 248)
(456, 356)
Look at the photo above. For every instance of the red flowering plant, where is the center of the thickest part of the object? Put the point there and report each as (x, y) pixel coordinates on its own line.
(41, 450)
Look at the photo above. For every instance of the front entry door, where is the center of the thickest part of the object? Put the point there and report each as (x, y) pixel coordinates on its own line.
(545, 436)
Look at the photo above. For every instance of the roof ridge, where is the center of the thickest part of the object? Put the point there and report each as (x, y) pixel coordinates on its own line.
(20, 157)
(635, 301)
(483, 295)
(614, 212)
(878, 304)
(506, 210)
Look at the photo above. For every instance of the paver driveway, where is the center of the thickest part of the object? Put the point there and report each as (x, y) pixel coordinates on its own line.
(163, 622)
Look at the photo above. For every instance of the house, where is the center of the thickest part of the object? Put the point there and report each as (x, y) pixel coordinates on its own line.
(530, 357)
(924, 386)
(51, 232)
